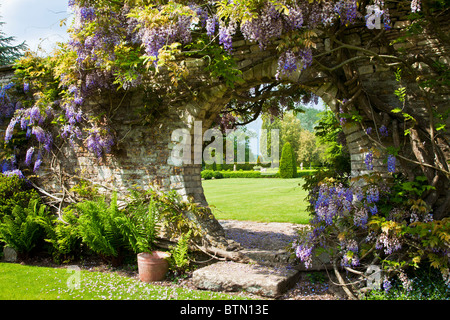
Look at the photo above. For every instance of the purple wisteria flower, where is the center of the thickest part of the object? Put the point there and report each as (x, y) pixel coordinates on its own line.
(211, 24)
(35, 115)
(361, 218)
(29, 155)
(390, 244)
(391, 163)
(372, 194)
(369, 160)
(415, 6)
(87, 13)
(14, 172)
(39, 133)
(359, 194)
(387, 285)
(307, 58)
(10, 129)
(37, 164)
(384, 131)
(287, 64)
(304, 253)
(294, 20)
(48, 142)
(5, 166)
(99, 142)
(225, 35)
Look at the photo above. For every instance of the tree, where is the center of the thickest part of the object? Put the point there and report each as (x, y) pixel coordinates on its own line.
(310, 149)
(308, 118)
(288, 167)
(329, 134)
(289, 130)
(9, 53)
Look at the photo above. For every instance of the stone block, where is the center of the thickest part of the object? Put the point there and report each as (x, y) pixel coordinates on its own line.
(193, 63)
(403, 45)
(327, 44)
(355, 136)
(244, 63)
(9, 254)
(402, 24)
(248, 75)
(353, 39)
(256, 279)
(368, 69)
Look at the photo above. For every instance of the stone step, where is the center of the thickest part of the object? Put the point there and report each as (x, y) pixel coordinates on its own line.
(283, 257)
(268, 281)
(268, 257)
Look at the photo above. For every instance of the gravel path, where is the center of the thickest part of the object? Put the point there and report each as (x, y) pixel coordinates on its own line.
(261, 235)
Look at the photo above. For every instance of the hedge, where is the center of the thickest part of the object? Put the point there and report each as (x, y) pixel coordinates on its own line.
(209, 174)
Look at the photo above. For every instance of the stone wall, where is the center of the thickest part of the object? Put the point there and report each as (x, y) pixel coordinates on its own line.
(141, 156)
(6, 74)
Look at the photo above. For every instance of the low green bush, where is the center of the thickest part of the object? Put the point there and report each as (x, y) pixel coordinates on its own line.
(115, 234)
(244, 174)
(207, 174)
(217, 175)
(179, 258)
(22, 229)
(424, 283)
(63, 236)
(14, 191)
(111, 232)
(100, 226)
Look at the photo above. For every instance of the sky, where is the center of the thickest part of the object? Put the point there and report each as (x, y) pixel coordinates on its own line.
(37, 22)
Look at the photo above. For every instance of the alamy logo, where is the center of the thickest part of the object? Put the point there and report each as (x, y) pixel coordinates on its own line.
(188, 148)
(373, 17)
(73, 282)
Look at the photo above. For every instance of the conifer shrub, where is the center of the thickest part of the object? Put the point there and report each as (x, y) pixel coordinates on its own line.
(287, 162)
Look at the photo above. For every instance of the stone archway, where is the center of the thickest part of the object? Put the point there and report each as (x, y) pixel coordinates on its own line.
(355, 67)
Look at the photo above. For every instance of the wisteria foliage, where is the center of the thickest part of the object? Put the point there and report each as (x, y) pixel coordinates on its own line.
(358, 226)
(152, 28)
(119, 44)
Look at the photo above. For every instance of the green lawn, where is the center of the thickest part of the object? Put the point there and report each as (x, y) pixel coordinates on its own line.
(22, 282)
(258, 199)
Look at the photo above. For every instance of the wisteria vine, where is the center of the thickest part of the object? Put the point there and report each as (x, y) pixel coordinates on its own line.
(117, 45)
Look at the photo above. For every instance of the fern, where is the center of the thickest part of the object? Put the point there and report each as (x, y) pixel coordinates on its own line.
(180, 253)
(63, 236)
(21, 230)
(142, 226)
(110, 232)
(96, 227)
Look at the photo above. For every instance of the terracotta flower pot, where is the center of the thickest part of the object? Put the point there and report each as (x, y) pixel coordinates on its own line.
(152, 266)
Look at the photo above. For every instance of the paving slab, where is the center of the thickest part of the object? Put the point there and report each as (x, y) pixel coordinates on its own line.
(263, 280)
